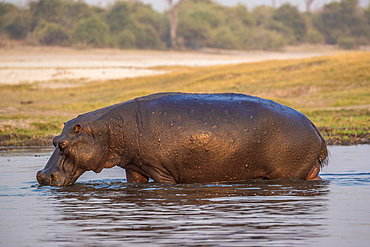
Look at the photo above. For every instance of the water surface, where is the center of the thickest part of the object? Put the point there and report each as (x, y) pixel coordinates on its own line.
(103, 209)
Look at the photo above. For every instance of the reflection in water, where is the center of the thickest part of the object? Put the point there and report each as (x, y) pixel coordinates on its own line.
(259, 212)
(102, 210)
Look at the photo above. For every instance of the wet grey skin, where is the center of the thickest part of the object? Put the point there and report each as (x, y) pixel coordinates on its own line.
(189, 138)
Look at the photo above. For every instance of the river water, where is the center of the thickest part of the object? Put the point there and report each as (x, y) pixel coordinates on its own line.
(103, 210)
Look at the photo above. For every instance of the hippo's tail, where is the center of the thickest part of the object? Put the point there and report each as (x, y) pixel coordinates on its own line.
(324, 155)
(322, 159)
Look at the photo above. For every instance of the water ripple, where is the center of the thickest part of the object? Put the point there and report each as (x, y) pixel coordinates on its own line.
(111, 212)
(186, 215)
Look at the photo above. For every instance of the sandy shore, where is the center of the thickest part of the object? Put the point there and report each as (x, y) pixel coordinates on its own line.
(64, 67)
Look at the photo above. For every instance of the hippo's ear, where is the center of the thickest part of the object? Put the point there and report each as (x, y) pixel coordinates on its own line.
(76, 129)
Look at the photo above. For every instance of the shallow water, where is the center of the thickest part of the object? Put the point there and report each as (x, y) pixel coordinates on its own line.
(104, 210)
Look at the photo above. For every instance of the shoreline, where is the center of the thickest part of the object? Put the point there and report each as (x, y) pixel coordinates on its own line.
(60, 67)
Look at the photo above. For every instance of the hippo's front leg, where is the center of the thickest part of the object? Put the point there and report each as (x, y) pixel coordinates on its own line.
(135, 177)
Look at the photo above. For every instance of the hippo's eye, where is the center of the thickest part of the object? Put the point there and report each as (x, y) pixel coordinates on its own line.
(76, 128)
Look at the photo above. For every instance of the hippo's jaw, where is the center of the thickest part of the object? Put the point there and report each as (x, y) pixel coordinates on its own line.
(55, 174)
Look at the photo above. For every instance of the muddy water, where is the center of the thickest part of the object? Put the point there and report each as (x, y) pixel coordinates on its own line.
(103, 210)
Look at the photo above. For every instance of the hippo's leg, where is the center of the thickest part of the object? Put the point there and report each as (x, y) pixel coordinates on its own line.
(135, 177)
(314, 173)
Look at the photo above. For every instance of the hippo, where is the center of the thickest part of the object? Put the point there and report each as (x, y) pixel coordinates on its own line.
(189, 138)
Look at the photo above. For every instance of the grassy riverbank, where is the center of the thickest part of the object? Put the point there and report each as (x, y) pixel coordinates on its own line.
(333, 91)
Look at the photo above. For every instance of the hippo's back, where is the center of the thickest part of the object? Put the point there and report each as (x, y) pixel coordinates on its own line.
(216, 112)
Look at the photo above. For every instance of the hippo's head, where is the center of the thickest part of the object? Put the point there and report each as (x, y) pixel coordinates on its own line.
(77, 149)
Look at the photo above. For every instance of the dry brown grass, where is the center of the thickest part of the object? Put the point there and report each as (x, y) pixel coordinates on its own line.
(320, 87)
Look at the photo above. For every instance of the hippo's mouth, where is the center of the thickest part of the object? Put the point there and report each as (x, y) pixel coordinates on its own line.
(59, 171)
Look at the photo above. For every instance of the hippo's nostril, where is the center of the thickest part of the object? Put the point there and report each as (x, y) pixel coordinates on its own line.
(40, 175)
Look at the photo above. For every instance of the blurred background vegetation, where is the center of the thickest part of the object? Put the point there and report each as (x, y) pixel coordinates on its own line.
(201, 23)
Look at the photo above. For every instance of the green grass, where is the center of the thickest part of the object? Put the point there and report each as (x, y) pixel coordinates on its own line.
(345, 126)
(333, 91)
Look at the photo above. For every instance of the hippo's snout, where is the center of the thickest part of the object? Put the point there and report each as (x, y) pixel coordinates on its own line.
(53, 179)
(52, 174)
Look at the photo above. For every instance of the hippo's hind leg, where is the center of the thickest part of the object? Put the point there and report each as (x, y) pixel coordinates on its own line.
(314, 173)
(135, 177)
